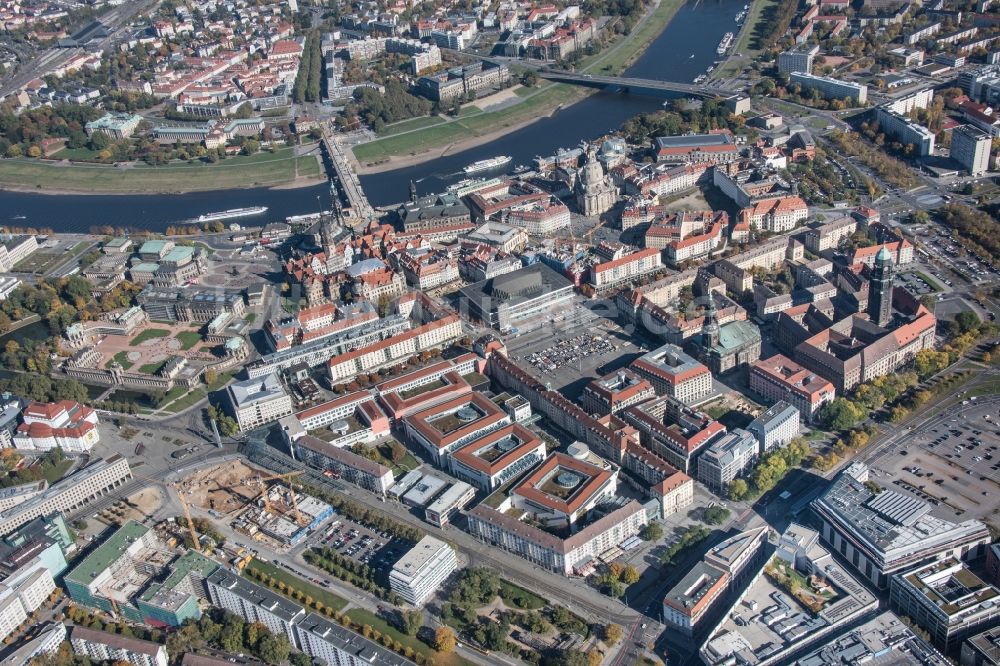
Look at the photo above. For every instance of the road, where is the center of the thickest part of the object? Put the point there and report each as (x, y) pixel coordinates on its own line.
(52, 58)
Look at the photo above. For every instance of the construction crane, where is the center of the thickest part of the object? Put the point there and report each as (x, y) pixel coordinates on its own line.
(187, 516)
(196, 543)
(263, 491)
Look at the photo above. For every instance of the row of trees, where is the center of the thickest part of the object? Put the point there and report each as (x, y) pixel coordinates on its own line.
(976, 231)
(888, 168)
(308, 81)
(226, 631)
(40, 387)
(368, 517)
(350, 571)
(771, 469)
(227, 425)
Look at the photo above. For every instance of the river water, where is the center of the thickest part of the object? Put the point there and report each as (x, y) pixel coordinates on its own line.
(685, 49)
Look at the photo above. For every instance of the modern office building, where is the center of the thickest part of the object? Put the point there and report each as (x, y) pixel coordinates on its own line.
(798, 59)
(889, 533)
(983, 649)
(421, 571)
(119, 578)
(254, 603)
(105, 646)
(947, 600)
(831, 88)
(257, 402)
(769, 626)
(884, 638)
(971, 147)
(503, 302)
(776, 427)
(450, 502)
(674, 373)
(687, 603)
(726, 458)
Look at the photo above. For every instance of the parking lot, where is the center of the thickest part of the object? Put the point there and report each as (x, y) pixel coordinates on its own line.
(379, 550)
(566, 358)
(955, 466)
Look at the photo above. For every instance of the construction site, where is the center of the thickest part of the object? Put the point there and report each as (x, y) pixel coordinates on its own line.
(255, 502)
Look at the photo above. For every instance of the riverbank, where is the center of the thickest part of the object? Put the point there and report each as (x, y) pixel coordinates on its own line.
(468, 130)
(281, 169)
(747, 42)
(422, 145)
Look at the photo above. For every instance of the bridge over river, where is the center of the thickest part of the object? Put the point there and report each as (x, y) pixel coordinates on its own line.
(634, 85)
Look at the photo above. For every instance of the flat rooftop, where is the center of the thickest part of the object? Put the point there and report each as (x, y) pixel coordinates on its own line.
(883, 641)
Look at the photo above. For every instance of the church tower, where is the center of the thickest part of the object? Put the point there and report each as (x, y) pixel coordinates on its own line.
(880, 289)
(710, 327)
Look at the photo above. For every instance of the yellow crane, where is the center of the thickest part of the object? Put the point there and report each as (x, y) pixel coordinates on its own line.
(187, 516)
(184, 506)
(286, 476)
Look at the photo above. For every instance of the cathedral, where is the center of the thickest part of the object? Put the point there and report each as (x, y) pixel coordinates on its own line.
(595, 193)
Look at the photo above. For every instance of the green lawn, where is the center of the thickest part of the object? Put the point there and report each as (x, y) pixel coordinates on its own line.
(538, 103)
(931, 282)
(746, 41)
(152, 368)
(78, 155)
(221, 380)
(363, 617)
(411, 124)
(259, 170)
(193, 397)
(189, 339)
(122, 358)
(250, 318)
(148, 334)
(174, 393)
(292, 581)
(55, 473)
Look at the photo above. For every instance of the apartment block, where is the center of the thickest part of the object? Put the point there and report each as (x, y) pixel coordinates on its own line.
(831, 88)
(971, 147)
(254, 603)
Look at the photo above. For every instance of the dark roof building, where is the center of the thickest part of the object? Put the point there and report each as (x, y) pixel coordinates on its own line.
(506, 300)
